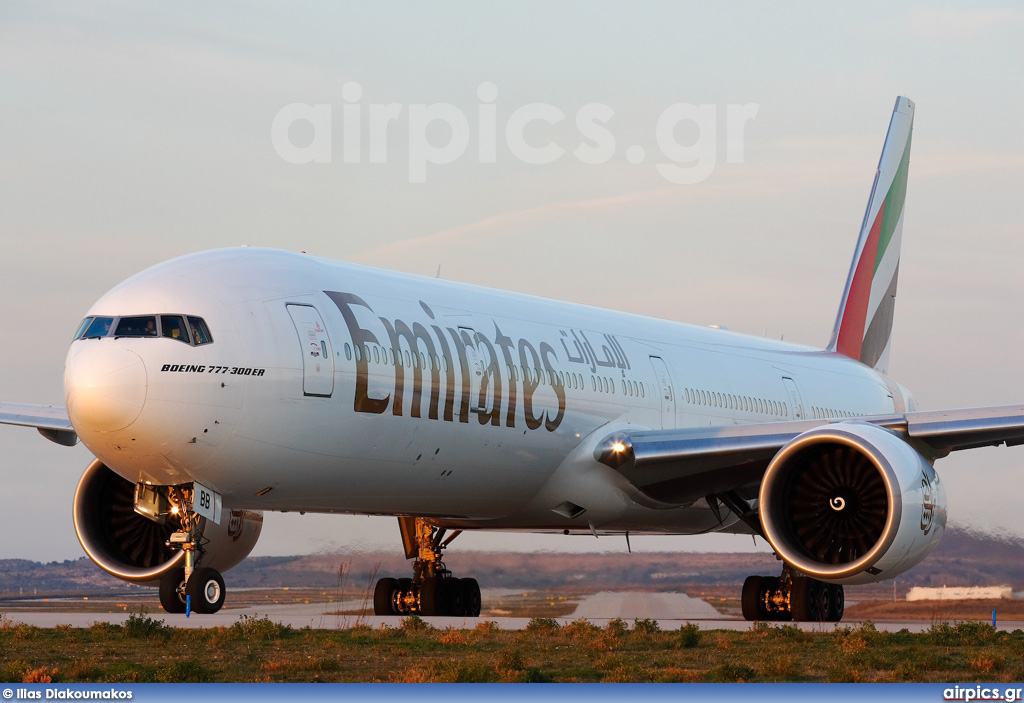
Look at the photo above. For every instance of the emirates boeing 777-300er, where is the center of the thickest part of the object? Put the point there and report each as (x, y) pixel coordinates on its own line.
(223, 384)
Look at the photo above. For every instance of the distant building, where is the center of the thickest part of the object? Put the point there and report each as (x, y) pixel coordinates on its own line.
(960, 593)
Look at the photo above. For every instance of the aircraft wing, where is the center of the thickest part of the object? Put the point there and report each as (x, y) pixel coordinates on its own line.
(51, 421)
(677, 466)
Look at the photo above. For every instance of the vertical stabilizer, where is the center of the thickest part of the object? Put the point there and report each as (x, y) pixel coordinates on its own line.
(864, 323)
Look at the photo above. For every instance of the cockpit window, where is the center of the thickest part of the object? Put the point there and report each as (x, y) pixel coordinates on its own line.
(99, 327)
(187, 329)
(82, 327)
(200, 333)
(139, 326)
(173, 327)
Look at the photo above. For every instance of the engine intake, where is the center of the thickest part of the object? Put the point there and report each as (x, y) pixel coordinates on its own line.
(851, 503)
(133, 547)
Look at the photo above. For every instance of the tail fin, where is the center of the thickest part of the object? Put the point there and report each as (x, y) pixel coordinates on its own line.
(864, 323)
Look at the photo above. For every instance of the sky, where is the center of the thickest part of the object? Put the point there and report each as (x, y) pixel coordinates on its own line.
(734, 153)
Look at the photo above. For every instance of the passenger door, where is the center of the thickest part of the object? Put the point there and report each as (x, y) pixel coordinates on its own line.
(317, 353)
(668, 396)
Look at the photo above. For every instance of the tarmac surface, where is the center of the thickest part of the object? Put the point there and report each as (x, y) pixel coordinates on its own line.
(670, 610)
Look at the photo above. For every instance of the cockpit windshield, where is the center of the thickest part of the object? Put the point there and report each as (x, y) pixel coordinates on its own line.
(141, 326)
(97, 327)
(183, 328)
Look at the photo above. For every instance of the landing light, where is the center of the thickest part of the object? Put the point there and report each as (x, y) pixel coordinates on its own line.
(618, 447)
(174, 510)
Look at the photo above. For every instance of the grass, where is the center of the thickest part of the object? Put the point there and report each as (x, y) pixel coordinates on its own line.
(145, 649)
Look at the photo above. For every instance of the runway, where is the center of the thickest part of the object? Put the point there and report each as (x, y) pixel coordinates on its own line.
(670, 610)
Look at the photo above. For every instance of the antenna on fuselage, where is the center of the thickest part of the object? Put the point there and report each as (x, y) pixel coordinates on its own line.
(438, 274)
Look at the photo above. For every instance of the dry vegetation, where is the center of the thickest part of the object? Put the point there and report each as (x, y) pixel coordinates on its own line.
(257, 649)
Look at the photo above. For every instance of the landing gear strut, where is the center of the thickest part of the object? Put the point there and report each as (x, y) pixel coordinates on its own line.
(791, 597)
(432, 590)
(202, 588)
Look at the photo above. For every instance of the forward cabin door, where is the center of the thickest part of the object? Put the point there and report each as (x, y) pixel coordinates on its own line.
(668, 396)
(317, 354)
(794, 396)
(476, 369)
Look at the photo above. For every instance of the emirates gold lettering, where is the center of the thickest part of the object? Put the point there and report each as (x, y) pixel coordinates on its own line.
(436, 366)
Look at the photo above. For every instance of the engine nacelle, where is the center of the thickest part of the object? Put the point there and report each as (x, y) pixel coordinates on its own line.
(134, 547)
(851, 503)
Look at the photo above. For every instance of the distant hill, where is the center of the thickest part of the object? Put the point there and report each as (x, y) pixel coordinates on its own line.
(961, 559)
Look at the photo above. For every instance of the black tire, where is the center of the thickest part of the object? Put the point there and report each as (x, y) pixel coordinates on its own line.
(470, 597)
(206, 587)
(432, 599)
(808, 601)
(752, 600)
(837, 604)
(452, 597)
(384, 597)
(170, 599)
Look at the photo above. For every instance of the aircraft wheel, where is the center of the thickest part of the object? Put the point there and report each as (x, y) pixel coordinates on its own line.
(470, 597)
(384, 597)
(752, 600)
(837, 604)
(432, 600)
(453, 602)
(808, 601)
(206, 586)
(170, 598)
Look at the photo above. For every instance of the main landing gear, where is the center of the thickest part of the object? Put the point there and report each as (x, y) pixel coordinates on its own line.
(790, 597)
(196, 587)
(432, 590)
(785, 597)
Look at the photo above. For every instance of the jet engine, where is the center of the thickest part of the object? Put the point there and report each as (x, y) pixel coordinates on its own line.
(851, 503)
(133, 546)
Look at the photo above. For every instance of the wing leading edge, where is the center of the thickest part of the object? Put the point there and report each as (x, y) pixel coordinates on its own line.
(51, 421)
(674, 467)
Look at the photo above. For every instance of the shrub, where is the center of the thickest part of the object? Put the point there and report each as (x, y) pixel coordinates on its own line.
(487, 628)
(616, 627)
(414, 623)
(40, 675)
(252, 627)
(581, 628)
(452, 636)
(962, 634)
(542, 626)
(509, 660)
(646, 626)
(688, 636)
(141, 625)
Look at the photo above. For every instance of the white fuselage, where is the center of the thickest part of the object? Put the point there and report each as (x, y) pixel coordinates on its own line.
(342, 388)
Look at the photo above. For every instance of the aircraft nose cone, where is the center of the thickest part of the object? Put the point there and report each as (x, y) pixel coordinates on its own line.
(104, 386)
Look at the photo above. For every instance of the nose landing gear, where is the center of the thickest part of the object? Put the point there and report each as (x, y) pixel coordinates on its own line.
(432, 590)
(200, 589)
